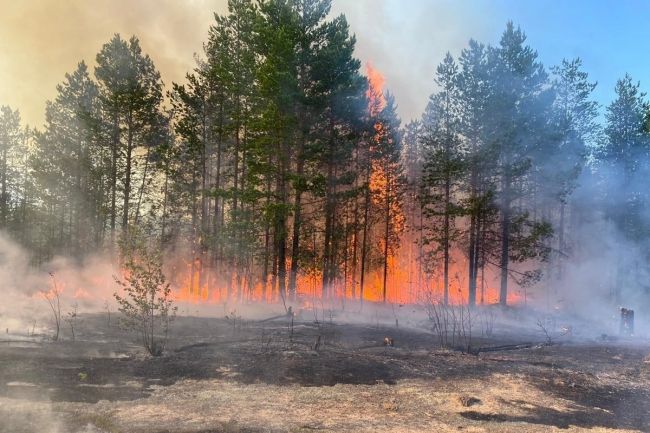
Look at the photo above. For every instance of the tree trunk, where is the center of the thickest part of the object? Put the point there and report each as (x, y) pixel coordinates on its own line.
(364, 242)
(142, 185)
(281, 222)
(329, 217)
(561, 240)
(297, 220)
(218, 203)
(114, 157)
(505, 240)
(471, 289)
(386, 236)
(4, 199)
(474, 236)
(355, 247)
(127, 175)
(446, 233)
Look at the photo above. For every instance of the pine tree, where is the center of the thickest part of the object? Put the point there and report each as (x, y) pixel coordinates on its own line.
(413, 156)
(337, 90)
(131, 95)
(68, 166)
(11, 138)
(577, 131)
(443, 171)
(387, 184)
(478, 189)
(624, 161)
(520, 105)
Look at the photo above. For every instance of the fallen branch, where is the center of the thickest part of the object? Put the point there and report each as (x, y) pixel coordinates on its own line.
(501, 348)
(286, 315)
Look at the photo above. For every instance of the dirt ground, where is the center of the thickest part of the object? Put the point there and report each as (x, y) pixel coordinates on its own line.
(253, 376)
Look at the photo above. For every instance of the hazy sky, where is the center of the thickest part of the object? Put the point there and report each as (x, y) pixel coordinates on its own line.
(41, 40)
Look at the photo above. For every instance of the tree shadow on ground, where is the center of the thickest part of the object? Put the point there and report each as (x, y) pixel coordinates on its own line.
(630, 411)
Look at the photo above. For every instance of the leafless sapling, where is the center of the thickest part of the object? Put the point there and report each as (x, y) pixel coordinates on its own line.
(71, 319)
(545, 331)
(53, 298)
(107, 308)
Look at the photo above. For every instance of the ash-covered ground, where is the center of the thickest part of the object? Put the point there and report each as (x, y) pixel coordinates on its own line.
(332, 374)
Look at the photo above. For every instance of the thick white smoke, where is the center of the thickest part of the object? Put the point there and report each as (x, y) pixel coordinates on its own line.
(89, 284)
(602, 270)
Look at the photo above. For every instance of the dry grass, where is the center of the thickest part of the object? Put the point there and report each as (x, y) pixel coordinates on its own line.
(236, 384)
(506, 402)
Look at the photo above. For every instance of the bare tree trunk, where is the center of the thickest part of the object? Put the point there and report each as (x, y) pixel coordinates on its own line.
(386, 235)
(471, 289)
(297, 220)
(163, 222)
(355, 247)
(4, 199)
(561, 240)
(267, 239)
(329, 219)
(127, 175)
(114, 156)
(446, 234)
(505, 240)
(142, 185)
(281, 222)
(474, 235)
(364, 243)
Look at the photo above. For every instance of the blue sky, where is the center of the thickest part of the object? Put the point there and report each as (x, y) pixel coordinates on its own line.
(611, 38)
(407, 39)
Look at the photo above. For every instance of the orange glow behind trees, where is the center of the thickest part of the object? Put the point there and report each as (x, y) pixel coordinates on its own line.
(406, 283)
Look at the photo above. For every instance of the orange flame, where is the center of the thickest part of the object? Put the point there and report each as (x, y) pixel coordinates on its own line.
(407, 281)
(375, 94)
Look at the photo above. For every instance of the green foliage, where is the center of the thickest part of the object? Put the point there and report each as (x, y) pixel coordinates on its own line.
(68, 168)
(12, 167)
(146, 303)
(627, 154)
(130, 90)
(444, 167)
(270, 162)
(504, 141)
(624, 163)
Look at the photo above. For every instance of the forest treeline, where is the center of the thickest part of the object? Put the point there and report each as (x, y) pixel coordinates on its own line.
(281, 160)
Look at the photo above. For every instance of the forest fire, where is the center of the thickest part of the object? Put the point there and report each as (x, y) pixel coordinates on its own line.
(259, 241)
(375, 92)
(401, 280)
(403, 288)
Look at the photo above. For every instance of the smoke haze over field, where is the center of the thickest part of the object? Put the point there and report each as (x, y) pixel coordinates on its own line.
(89, 284)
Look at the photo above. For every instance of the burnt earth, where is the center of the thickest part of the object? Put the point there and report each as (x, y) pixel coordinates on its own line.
(266, 376)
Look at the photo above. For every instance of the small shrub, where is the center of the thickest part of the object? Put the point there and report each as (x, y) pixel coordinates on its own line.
(146, 305)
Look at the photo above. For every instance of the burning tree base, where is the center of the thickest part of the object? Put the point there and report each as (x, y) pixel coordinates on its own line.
(266, 377)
